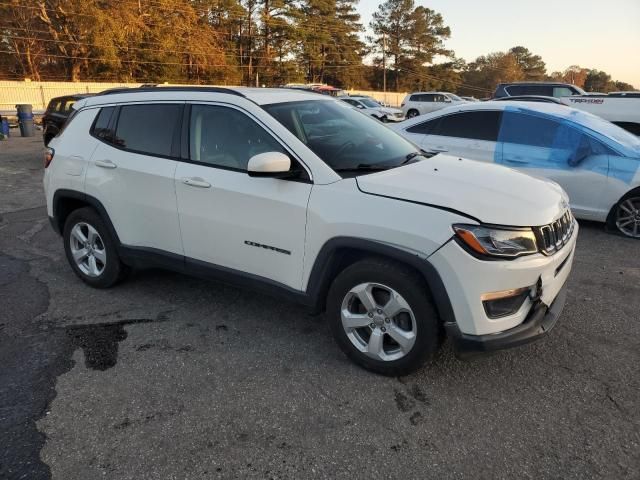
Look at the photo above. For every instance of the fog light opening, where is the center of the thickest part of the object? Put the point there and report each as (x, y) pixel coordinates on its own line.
(504, 303)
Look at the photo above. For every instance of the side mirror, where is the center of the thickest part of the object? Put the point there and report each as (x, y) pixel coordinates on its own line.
(269, 164)
(360, 106)
(447, 99)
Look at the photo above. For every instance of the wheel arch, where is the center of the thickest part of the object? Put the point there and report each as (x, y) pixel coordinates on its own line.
(611, 217)
(340, 252)
(67, 201)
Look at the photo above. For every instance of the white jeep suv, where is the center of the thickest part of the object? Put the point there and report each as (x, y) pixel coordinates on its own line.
(299, 195)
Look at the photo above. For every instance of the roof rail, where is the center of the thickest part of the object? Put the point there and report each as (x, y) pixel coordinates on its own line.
(112, 91)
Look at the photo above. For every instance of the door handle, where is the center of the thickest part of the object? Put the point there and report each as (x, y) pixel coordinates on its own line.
(195, 182)
(105, 164)
(515, 159)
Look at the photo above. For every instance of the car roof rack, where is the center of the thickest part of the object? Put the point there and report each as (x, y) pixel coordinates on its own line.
(112, 91)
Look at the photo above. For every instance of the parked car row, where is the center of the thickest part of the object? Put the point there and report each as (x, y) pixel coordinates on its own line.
(304, 196)
(596, 162)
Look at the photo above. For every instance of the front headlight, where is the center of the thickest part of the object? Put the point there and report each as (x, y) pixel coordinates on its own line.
(496, 241)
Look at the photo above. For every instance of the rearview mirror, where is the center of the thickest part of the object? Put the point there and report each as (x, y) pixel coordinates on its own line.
(269, 164)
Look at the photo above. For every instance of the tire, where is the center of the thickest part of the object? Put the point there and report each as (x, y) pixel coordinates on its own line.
(384, 119)
(412, 113)
(625, 215)
(106, 269)
(377, 280)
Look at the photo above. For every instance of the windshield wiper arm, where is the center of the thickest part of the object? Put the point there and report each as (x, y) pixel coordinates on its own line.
(410, 158)
(364, 167)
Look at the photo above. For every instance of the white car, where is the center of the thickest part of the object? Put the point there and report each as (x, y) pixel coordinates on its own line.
(595, 161)
(299, 195)
(419, 103)
(376, 110)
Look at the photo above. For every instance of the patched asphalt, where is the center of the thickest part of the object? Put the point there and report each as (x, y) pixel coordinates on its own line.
(167, 376)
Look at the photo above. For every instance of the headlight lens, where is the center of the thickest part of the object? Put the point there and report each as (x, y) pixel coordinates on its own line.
(497, 242)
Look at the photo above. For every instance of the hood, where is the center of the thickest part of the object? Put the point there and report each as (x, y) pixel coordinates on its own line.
(488, 192)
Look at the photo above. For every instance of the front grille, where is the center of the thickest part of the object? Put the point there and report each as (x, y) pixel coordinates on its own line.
(551, 238)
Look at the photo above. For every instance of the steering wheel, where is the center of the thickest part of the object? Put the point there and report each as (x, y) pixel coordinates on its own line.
(344, 147)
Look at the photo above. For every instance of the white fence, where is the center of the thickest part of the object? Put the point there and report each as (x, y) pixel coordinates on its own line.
(38, 94)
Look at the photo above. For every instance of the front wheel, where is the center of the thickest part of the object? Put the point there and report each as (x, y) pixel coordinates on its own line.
(626, 216)
(382, 318)
(412, 113)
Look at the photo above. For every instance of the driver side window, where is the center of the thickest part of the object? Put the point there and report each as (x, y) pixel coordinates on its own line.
(226, 138)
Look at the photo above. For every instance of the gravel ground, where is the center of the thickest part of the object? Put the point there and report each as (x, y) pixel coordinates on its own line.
(166, 376)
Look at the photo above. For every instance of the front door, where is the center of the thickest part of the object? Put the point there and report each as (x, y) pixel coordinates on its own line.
(554, 149)
(229, 219)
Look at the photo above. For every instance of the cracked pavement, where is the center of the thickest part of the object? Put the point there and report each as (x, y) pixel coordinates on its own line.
(167, 376)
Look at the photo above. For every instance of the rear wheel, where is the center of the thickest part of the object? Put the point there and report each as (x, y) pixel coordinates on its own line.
(412, 113)
(382, 317)
(626, 215)
(90, 249)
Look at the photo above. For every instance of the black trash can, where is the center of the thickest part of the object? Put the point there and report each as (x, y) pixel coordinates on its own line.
(25, 120)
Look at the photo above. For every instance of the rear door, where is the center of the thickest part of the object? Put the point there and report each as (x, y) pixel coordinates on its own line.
(554, 149)
(470, 134)
(228, 219)
(132, 170)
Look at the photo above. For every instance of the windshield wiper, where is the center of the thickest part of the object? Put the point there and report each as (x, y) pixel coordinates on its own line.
(363, 167)
(410, 158)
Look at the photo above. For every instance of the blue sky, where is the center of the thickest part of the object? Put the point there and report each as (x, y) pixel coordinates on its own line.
(594, 34)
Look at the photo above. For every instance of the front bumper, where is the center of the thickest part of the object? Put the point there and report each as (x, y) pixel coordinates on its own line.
(468, 279)
(539, 322)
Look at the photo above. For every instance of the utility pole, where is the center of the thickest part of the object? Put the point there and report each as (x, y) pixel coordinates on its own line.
(384, 65)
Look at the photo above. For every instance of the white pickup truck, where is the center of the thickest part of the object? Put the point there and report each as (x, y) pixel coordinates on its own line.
(621, 108)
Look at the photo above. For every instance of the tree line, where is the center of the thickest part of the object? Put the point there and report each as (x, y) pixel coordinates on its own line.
(256, 42)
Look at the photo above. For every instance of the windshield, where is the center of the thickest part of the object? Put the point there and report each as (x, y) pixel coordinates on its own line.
(606, 128)
(454, 97)
(342, 137)
(369, 103)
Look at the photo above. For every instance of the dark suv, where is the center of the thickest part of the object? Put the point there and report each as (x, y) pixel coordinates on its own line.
(538, 89)
(56, 115)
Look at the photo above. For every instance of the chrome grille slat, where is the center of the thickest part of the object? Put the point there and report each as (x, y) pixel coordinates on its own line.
(556, 235)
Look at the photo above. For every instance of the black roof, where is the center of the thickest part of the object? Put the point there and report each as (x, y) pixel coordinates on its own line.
(75, 96)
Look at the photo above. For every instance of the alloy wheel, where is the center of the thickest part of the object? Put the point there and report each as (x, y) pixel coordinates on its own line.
(628, 217)
(378, 321)
(87, 249)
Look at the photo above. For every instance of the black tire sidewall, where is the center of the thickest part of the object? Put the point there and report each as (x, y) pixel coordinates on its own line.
(113, 270)
(412, 288)
(611, 220)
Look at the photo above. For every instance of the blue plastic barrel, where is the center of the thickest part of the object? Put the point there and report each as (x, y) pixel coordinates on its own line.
(4, 127)
(25, 120)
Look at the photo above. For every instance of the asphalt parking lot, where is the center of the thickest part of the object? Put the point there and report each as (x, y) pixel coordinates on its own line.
(170, 377)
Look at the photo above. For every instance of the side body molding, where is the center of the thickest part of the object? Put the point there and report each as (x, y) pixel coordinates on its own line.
(332, 256)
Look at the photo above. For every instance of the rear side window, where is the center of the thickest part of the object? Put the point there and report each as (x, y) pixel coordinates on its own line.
(425, 128)
(100, 128)
(544, 90)
(422, 98)
(68, 105)
(481, 125)
(54, 106)
(150, 129)
(562, 92)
